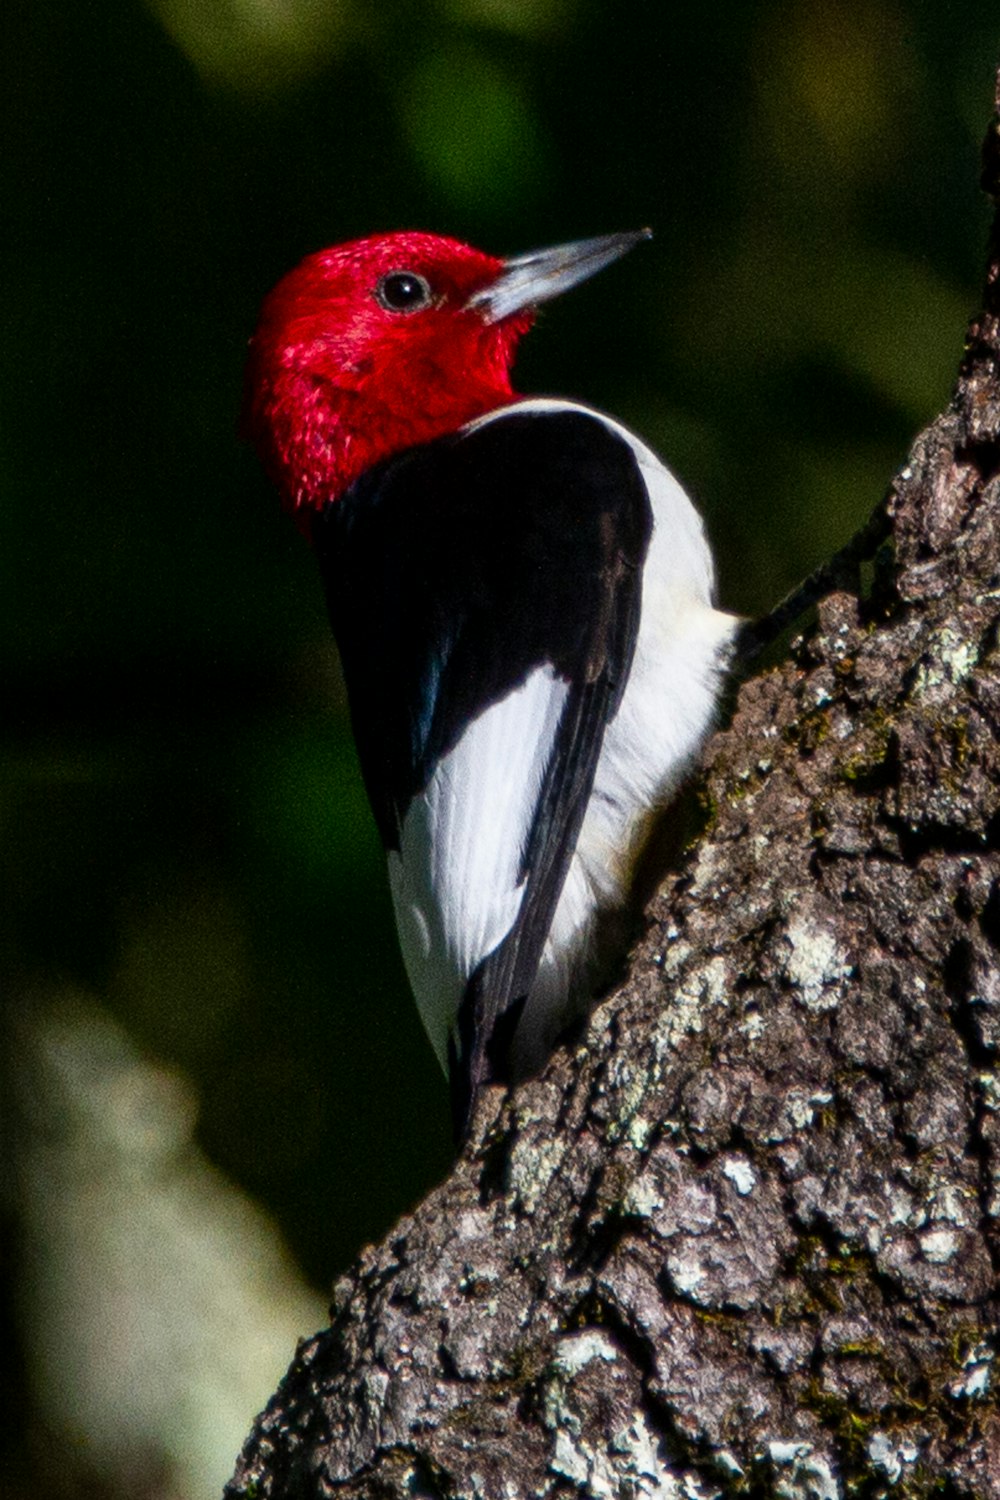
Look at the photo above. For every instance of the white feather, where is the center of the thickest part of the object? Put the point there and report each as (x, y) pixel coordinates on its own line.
(455, 881)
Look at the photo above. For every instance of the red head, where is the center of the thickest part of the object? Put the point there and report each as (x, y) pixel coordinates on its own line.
(389, 341)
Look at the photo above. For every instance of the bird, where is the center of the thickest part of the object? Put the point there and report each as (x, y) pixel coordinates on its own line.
(522, 596)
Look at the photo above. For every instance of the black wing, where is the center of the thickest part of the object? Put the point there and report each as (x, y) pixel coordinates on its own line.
(452, 572)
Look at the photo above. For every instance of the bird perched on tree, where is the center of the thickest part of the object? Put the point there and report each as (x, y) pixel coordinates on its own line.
(522, 598)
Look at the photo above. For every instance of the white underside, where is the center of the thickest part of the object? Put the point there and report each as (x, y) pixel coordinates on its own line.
(455, 880)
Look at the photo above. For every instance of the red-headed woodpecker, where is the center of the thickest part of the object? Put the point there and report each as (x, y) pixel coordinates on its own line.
(522, 598)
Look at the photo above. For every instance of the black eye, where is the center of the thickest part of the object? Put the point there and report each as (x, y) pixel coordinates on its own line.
(403, 291)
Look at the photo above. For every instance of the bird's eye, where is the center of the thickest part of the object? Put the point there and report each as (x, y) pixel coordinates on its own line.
(403, 291)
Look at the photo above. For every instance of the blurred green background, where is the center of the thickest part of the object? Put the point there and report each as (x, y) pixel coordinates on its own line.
(185, 841)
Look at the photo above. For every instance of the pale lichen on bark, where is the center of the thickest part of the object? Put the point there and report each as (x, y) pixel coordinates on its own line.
(743, 1239)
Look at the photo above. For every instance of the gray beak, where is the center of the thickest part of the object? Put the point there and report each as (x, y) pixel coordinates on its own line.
(529, 279)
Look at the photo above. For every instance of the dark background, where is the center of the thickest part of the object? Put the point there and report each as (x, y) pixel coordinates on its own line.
(184, 835)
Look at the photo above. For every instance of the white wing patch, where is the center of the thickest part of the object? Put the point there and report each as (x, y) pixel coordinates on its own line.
(455, 881)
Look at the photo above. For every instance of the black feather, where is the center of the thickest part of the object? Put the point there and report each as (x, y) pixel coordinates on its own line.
(452, 572)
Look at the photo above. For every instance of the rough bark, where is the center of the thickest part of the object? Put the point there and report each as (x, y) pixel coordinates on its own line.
(743, 1240)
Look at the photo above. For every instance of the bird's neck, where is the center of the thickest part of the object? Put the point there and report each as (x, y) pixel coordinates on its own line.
(316, 447)
(321, 412)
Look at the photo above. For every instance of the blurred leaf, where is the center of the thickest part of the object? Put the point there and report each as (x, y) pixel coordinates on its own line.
(896, 323)
(834, 79)
(528, 18)
(474, 132)
(256, 45)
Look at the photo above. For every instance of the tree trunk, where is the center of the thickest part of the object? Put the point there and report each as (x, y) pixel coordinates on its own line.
(743, 1240)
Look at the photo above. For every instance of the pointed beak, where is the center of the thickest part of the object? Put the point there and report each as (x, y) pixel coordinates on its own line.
(527, 280)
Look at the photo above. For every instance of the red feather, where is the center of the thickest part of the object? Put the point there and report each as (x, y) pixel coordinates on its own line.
(336, 381)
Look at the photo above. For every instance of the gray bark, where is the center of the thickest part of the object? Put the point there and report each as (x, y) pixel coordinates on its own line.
(743, 1240)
